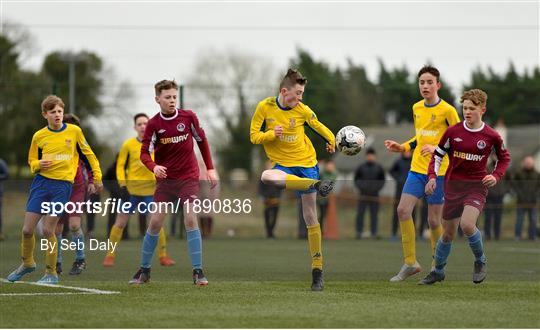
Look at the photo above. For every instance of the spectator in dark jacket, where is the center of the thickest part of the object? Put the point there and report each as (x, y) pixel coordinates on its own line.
(399, 171)
(369, 179)
(494, 204)
(526, 184)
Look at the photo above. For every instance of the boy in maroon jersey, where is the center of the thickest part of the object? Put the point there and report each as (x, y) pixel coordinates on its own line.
(170, 134)
(468, 145)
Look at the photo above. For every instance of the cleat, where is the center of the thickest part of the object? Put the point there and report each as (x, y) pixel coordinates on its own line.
(142, 276)
(198, 277)
(406, 271)
(480, 272)
(108, 261)
(432, 278)
(166, 261)
(318, 282)
(58, 268)
(18, 273)
(78, 267)
(324, 187)
(48, 279)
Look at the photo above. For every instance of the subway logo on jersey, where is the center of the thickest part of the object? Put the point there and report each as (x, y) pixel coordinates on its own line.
(467, 156)
(174, 139)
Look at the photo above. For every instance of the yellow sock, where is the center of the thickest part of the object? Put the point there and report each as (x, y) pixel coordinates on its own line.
(408, 240)
(115, 237)
(27, 250)
(294, 182)
(162, 243)
(51, 255)
(314, 239)
(435, 233)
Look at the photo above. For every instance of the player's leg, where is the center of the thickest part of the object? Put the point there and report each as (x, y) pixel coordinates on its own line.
(442, 251)
(77, 237)
(412, 191)
(58, 232)
(149, 244)
(28, 242)
(309, 210)
(282, 177)
(194, 241)
(51, 253)
(115, 237)
(435, 209)
(474, 236)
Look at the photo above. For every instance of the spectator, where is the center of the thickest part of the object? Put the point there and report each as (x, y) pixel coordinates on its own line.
(3, 176)
(494, 205)
(399, 171)
(328, 172)
(526, 184)
(369, 179)
(271, 196)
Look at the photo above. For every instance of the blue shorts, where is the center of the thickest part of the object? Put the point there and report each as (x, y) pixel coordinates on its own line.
(416, 183)
(136, 200)
(45, 191)
(301, 172)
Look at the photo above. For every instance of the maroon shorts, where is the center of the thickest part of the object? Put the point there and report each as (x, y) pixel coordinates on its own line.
(78, 194)
(170, 190)
(456, 201)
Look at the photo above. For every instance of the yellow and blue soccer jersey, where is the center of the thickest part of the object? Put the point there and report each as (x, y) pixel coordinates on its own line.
(63, 147)
(139, 180)
(293, 148)
(430, 123)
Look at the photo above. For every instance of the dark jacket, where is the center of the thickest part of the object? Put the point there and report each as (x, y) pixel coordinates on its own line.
(400, 170)
(526, 184)
(369, 178)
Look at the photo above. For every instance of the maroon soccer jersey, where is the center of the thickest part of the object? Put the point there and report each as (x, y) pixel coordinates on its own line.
(469, 151)
(171, 138)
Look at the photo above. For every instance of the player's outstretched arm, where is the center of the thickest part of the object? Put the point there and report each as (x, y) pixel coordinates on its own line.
(393, 146)
(321, 129)
(91, 158)
(256, 133)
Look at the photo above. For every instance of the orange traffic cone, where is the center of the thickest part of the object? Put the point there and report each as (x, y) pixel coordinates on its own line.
(331, 222)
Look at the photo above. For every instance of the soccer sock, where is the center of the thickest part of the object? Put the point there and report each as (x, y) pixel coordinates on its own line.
(59, 257)
(115, 237)
(408, 241)
(77, 236)
(442, 252)
(475, 242)
(50, 255)
(194, 241)
(27, 250)
(162, 243)
(148, 247)
(434, 236)
(294, 182)
(314, 240)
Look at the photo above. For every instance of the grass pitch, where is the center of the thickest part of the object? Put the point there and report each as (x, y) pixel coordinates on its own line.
(259, 283)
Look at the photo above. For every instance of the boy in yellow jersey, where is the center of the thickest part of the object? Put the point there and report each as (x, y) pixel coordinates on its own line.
(138, 187)
(278, 124)
(54, 157)
(432, 116)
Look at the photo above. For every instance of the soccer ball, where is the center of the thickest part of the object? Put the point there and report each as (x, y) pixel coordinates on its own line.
(350, 140)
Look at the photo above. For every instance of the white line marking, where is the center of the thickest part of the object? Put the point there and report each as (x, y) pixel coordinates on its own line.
(43, 293)
(94, 291)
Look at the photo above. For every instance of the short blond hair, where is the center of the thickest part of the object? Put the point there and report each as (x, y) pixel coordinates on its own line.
(476, 96)
(50, 102)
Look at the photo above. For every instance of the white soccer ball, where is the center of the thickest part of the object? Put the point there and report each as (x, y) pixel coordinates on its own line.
(350, 140)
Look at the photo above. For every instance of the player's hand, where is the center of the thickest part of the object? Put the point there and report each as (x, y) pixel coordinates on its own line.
(393, 146)
(330, 148)
(213, 178)
(430, 186)
(278, 130)
(489, 181)
(45, 164)
(98, 185)
(160, 172)
(91, 189)
(427, 150)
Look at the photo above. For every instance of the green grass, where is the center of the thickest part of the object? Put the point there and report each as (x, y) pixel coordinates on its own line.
(260, 283)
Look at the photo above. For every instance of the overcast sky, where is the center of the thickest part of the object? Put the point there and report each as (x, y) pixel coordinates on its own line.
(147, 41)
